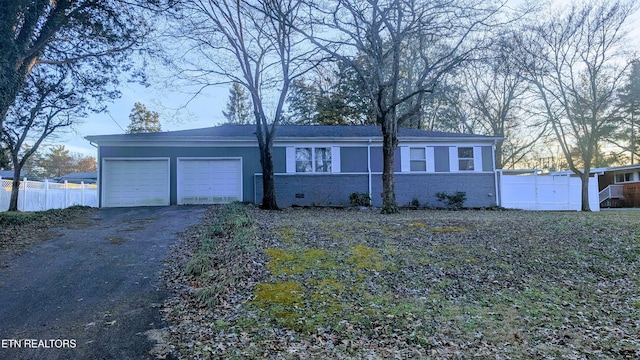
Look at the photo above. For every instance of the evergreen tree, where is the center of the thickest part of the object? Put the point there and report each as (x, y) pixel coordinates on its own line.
(629, 98)
(5, 159)
(57, 162)
(143, 120)
(330, 97)
(238, 106)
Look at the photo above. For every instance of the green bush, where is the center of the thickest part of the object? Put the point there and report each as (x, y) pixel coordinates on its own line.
(453, 201)
(360, 199)
(11, 218)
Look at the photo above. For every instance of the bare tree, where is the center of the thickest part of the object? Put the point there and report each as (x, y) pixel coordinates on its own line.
(576, 62)
(501, 101)
(381, 39)
(47, 104)
(248, 42)
(89, 36)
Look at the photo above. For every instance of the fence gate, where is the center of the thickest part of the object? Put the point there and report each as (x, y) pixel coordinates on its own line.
(530, 191)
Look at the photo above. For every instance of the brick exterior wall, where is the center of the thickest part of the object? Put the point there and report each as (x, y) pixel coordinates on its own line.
(334, 189)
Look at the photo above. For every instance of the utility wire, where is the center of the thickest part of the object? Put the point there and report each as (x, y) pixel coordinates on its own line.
(114, 120)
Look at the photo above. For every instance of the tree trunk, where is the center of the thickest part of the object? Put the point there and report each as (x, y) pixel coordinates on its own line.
(389, 143)
(584, 179)
(268, 179)
(498, 154)
(15, 189)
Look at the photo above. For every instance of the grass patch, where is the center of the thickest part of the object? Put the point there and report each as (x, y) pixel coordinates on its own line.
(425, 284)
(218, 262)
(14, 218)
(519, 284)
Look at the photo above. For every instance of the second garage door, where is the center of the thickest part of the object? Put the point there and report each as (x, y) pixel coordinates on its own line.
(209, 181)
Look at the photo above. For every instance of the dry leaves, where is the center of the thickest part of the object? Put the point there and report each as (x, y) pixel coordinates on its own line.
(419, 284)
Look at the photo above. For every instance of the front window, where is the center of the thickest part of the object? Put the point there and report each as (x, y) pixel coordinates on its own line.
(313, 159)
(418, 159)
(465, 158)
(624, 177)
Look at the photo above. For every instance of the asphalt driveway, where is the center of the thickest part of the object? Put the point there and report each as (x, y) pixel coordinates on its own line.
(91, 292)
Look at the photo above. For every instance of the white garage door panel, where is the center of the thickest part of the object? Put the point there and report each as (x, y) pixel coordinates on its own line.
(209, 181)
(135, 182)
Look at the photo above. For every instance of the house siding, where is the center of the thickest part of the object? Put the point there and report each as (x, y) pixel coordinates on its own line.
(353, 159)
(334, 190)
(314, 189)
(480, 188)
(250, 161)
(377, 159)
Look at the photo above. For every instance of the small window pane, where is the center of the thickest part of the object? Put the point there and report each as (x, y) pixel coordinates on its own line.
(465, 152)
(303, 160)
(417, 154)
(465, 164)
(323, 159)
(418, 165)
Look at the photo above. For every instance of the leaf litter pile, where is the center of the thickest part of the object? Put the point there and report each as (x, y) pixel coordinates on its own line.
(331, 283)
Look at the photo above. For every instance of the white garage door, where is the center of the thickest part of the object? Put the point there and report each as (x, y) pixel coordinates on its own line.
(135, 182)
(209, 181)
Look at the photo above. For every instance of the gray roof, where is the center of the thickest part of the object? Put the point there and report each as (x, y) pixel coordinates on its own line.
(316, 132)
(80, 175)
(8, 174)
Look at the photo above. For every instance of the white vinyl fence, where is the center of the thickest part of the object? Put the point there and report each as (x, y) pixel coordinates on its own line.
(530, 191)
(38, 196)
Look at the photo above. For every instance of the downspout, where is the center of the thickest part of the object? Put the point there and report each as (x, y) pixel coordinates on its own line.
(495, 175)
(369, 169)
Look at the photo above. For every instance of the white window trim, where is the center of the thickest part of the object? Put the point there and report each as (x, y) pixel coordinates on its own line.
(453, 159)
(477, 158)
(291, 159)
(632, 178)
(405, 158)
(431, 159)
(335, 159)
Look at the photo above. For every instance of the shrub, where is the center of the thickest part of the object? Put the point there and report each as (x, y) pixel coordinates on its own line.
(453, 201)
(415, 203)
(360, 199)
(15, 218)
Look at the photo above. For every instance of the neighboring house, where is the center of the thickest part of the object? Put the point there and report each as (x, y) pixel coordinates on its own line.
(314, 165)
(8, 175)
(79, 177)
(619, 186)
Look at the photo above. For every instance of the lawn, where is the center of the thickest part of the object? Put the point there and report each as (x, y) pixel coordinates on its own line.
(327, 283)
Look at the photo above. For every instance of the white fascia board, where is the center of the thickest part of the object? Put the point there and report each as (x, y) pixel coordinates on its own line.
(378, 139)
(186, 143)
